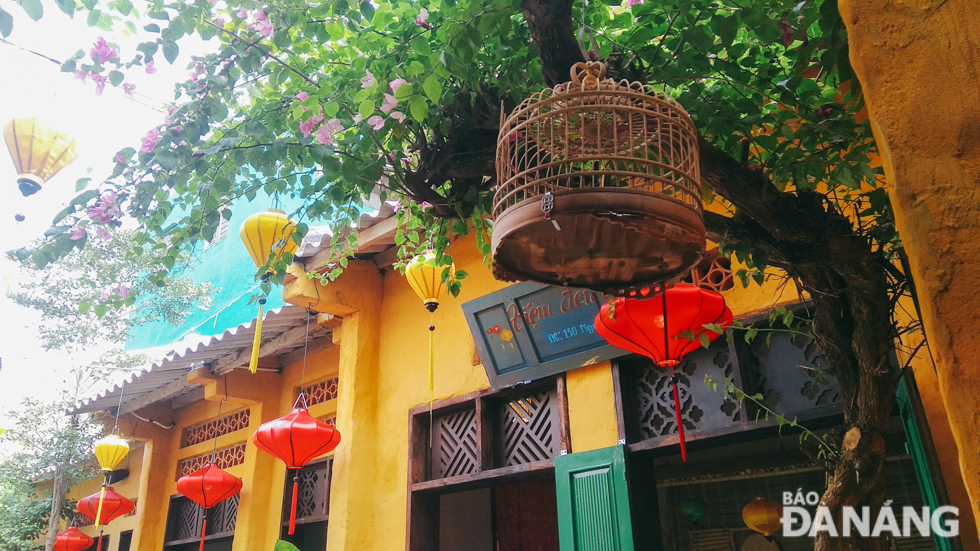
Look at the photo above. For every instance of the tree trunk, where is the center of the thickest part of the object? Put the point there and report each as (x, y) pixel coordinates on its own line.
(59, 487)
(819, 248)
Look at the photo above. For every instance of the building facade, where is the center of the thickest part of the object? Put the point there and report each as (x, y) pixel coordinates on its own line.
(535, 436)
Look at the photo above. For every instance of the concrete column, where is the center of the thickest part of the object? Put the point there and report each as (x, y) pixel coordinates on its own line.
(355, 297)
(918, 64)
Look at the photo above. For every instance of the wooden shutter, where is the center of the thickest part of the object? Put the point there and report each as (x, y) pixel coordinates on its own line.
(919, 445)
(593, 501)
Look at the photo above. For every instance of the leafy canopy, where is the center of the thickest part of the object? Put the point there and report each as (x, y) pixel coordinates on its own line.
(333, 101)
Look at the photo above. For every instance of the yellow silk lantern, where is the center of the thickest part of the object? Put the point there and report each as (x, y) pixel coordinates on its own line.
(38, 152)
(266, 234)
(109, 452)
(426, 279)
(763, 516)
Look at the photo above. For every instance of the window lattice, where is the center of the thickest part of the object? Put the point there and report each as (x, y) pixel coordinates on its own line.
(185, 518)
(228, 457)
(219, 233)
(313, 499)
(218, 427)
(321, 392)
(454, 437)
(528, 429)
(329, 420)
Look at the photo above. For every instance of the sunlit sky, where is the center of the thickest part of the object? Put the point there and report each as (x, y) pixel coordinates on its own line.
(31, 86)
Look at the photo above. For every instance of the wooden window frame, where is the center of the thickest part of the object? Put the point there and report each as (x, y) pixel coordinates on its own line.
(288, 488)
(422, 527)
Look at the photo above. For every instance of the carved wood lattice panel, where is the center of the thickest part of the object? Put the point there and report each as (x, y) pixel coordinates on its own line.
(789, 372)
(321, 392)
(218, 427)
(185, 518)
(313, 499)
(454, 437)
(228, 457)
(701, 407)
(528, 429)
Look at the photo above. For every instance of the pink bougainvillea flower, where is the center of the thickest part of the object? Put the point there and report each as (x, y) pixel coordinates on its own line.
(368, 80)
(264, 28)
(396, 83)
(324, 136)
(787, 35)
(149, 142)
(102, 52)
(80, 75)
(77, 233)
(307, 126)
(128, 89)
(101, 232)
(150, 69)
(302, 96)
(166, 118)
(389, 103)
(120, 158)
(423, 19)
(397, 206)
(635, 2)
(242, 13)
(358, 119)
(99, 83)
(376, 122)
(426, 205)
(383, 181)
(219, 21)
(398, 116)
(123, 291)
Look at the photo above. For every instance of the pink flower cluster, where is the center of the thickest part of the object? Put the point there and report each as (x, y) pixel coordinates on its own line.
(149, 142)
(102, 52)
(198, 70)
(105, 210)
(262, 24)
(423, 20)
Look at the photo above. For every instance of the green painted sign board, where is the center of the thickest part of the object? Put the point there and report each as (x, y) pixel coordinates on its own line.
(529, 331)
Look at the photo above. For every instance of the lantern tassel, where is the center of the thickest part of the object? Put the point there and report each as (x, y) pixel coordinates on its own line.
(677, 413)
(204, 528)
(253, 363)
(99, 548)
(98, 515)
(432, 361)
(292, 506)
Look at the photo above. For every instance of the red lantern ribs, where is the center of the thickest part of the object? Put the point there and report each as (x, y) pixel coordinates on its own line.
(296, 439)
(664, 327)
(72, 539)
(113, 507)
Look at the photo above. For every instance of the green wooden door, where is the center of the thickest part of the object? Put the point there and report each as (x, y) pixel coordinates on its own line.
(919, 445)
(593, 501)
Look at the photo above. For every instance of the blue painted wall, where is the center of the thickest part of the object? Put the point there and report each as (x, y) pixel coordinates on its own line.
(226, 266)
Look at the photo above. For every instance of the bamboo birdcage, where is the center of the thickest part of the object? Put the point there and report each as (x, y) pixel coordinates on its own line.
(598, 187)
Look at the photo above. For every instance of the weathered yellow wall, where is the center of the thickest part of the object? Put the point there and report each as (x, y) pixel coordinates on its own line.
(128, 488)
(918, 66)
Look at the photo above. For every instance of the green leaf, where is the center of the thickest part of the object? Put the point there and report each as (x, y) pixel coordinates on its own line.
(366, 108)
(703, 339)
(81, 183)
(418, 107)
(33, 9)
(728, 29)
(170, 51)
(100, 310)
(84, 307)
(152, 28)
(433, 88)
(68, 66)
(115, 78)
(421, 46)
(67, 6)
(6, 23)
(404, 91)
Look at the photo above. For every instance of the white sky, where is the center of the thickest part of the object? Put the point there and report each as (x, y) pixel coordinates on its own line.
(31, 86)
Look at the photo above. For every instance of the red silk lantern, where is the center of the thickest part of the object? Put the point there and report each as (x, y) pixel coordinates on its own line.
(72, 539)
(113, 507)
(296, 439)
(208, 487)
(665, 328)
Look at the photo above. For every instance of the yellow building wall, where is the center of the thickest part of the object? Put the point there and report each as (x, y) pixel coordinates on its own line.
(380, 358)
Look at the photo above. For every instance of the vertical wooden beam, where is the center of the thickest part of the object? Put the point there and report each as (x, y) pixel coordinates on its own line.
(618, 399)
(564, 430)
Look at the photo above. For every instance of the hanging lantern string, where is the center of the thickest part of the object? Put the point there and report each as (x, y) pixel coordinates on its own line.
(214, 450)
(673, 383)
(108, 474)
(306, 349)
(115, 424)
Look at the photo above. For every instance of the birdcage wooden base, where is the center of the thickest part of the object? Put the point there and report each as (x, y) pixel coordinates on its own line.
(612, 240)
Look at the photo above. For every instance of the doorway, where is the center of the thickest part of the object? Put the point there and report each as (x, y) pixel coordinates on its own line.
(515, 516)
